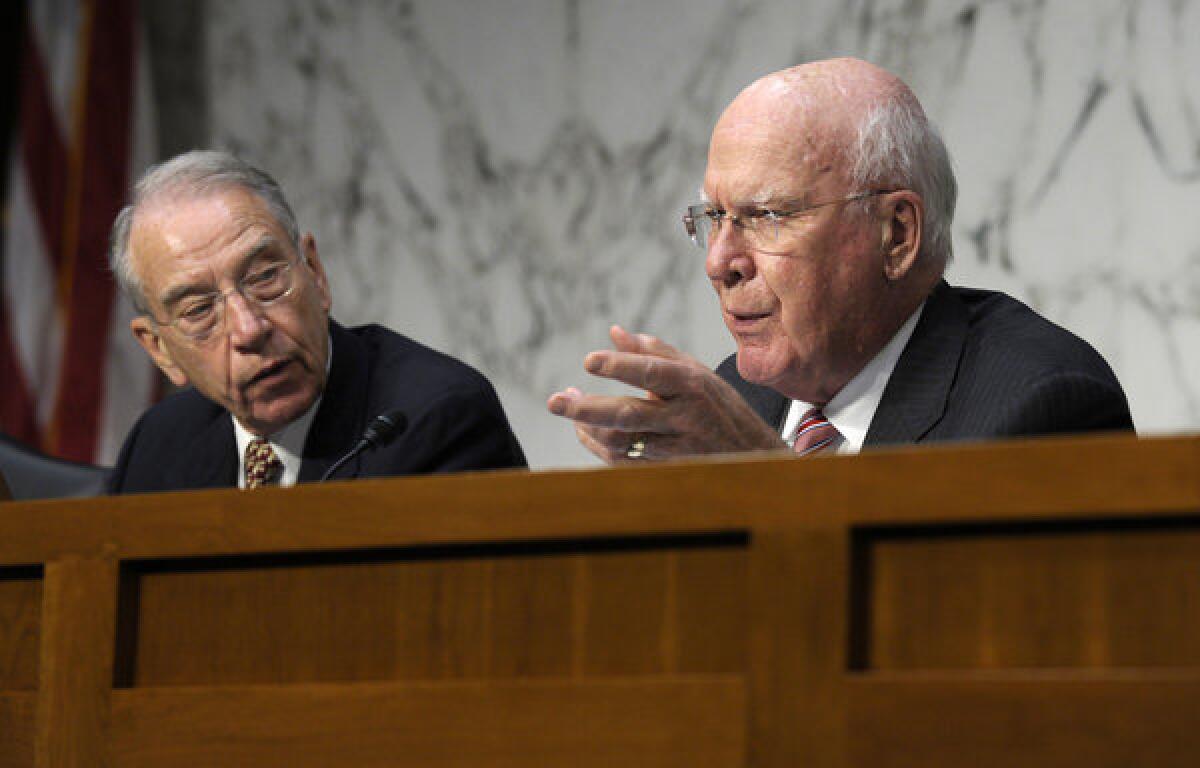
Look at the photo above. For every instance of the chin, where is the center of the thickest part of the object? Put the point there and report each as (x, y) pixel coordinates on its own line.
(758, 366)
(281, 411)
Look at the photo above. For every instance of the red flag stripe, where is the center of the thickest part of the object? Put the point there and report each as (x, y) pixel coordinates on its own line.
(105, 150)
(44, 167)
(44, 152)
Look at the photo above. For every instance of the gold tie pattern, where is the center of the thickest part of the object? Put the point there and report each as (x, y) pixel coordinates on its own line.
(263, 467)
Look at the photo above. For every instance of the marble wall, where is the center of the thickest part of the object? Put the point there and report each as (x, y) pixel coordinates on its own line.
(503, 179)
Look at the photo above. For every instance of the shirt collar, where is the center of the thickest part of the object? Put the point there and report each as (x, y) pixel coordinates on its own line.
(852, 409)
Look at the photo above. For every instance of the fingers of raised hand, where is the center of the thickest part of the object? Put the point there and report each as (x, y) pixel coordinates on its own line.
(560, 403)
(644, 343)
(665, 378)
(615, 445)
(631, 414)
(611, 445)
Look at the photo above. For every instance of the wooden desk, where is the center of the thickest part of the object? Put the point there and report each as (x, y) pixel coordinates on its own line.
(1033, 603)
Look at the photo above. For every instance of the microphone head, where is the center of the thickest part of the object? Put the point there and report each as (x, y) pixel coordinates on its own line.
(385, 427)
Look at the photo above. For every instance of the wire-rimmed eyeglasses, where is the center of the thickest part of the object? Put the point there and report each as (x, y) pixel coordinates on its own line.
(760, 227)
(199, 316)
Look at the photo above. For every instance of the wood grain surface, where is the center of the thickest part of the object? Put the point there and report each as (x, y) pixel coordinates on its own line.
(1051, 478)
(987, 598)
(689, 723)
(17, 712)
(20, 627)
(1148, 719)
(78, 631)
(1031, 603)
(594, 613)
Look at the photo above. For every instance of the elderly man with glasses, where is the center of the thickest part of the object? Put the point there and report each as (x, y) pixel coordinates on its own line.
(234, 308)
(827, 231)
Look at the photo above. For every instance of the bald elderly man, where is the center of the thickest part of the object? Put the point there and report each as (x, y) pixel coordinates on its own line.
(829, 201)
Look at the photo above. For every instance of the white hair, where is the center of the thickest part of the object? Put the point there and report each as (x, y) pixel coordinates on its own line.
(196, 173)
(899, 148)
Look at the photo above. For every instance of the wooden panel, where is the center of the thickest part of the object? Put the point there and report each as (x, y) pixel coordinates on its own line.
(682, 722)
(590, 603)
(16, 729)
(1079, 477)
(442, 615)
(311, 623)
(1045, 478)
(78, 631)
(20, 624)
(1147, 720)
(532, 617)
(469, 507)
(712, 611)
(798, 648)
(605, 613)
(625, 602)
(1039, 598)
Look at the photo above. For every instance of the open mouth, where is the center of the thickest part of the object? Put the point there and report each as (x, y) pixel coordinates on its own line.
(740, 319)
(269, 372)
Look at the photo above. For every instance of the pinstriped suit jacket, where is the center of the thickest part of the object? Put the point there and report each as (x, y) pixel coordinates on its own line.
(980, 365)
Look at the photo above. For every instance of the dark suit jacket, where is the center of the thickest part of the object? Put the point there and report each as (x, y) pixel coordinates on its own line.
(455, 422)
(980, 365)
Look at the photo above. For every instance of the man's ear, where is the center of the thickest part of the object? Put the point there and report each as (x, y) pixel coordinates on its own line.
(903, 214)
(147, 334)
(308, 252)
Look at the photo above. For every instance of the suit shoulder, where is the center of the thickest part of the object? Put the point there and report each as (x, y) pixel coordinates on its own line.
(163, 439)
(394, 356)
(1032, 375)
(455, 419)
(1008, 333)
(178, 416)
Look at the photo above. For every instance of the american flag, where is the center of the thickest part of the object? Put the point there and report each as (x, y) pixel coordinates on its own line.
(72, 379)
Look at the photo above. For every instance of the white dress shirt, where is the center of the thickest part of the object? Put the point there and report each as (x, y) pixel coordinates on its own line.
(853, 407)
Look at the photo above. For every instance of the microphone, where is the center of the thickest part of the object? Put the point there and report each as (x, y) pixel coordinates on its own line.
(381, 431)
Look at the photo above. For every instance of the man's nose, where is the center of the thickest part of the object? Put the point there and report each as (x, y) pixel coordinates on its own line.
(245, 321)
(729, 261)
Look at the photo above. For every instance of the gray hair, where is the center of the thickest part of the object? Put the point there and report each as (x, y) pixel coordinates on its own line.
(899, 147)
(195, 174)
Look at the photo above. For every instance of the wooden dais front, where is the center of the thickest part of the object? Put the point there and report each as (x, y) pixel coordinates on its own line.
(1029, 604)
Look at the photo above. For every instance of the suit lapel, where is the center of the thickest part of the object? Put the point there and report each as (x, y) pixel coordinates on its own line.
(770, 406)
(212, 460)
(914, 399)
(342, 416)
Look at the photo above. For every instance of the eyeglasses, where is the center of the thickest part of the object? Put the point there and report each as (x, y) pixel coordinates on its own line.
(761, 226)
(199, 317)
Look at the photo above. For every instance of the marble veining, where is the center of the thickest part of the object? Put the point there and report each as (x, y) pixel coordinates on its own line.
(503, 180)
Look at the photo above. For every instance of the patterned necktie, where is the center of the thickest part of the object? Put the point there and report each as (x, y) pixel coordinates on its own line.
(263, 467)
(814, 433)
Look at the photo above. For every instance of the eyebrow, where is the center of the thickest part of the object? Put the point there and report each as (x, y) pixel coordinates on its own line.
(177, 292)
(767, 197)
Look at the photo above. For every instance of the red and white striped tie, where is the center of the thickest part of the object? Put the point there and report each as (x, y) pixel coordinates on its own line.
(814, 433)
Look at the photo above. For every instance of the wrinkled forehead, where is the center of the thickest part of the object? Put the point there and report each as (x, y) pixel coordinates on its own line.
(188, 231)
(195, 225)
